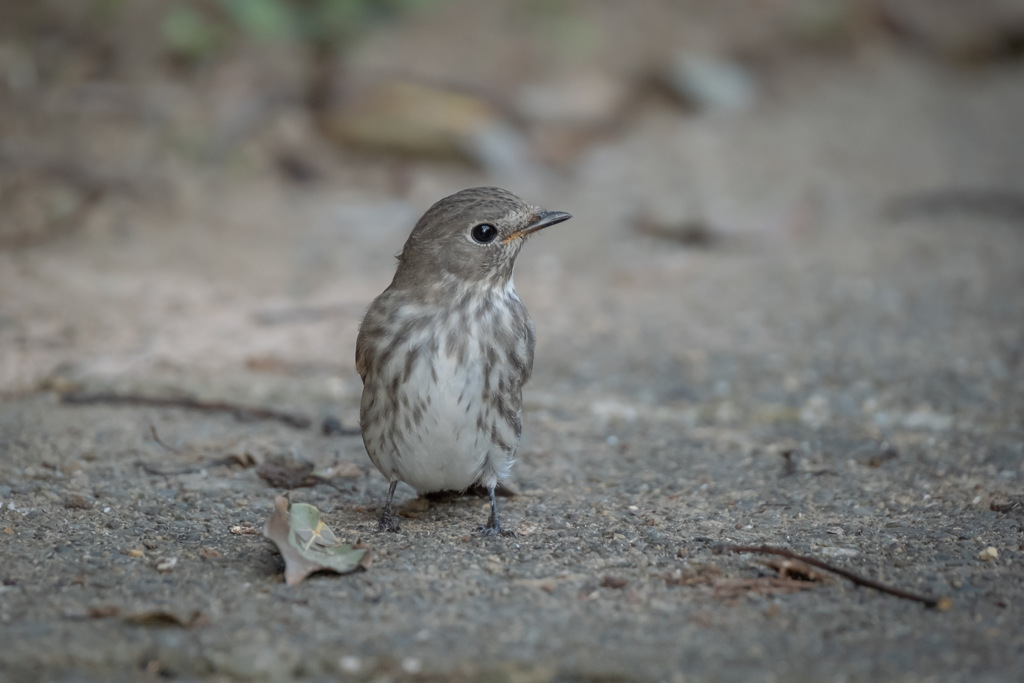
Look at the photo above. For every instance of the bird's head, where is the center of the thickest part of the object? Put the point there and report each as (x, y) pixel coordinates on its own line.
(473, 235)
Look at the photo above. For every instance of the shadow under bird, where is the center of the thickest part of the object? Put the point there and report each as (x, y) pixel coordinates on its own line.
(445, 350)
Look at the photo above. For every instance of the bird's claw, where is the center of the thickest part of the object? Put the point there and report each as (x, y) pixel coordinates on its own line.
(388, 523)
(496, 531)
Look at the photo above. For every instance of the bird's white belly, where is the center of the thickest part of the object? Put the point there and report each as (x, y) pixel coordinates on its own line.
(446, 450)
(437, 436)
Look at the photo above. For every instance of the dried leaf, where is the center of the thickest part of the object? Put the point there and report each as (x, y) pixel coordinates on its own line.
(307, 545)
(1009, 506)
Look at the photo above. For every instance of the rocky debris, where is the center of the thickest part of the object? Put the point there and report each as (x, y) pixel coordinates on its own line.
(424, 120)
(710, 83)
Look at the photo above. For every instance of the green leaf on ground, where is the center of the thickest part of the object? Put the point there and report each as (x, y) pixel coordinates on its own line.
(308, 545)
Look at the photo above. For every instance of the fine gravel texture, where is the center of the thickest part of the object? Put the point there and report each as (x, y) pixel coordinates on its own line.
(838, 370)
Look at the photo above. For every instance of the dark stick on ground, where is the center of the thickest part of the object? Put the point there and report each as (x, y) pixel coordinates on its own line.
(941, 603)
(239, 412)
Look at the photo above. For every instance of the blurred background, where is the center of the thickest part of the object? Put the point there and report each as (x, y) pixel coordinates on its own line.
(190, 186)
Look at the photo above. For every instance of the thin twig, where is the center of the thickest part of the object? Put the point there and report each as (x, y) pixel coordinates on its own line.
(149, 469)
(941, 603)
(238, 411)
(156, 437)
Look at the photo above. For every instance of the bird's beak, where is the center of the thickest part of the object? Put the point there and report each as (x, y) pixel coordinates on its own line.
(542, 219)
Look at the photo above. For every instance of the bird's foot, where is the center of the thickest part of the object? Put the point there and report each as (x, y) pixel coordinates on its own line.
(388, 523)
(496, 530)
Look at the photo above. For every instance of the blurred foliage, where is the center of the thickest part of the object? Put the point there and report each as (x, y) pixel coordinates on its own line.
(193, 29)
(189, 35)
(63, 39)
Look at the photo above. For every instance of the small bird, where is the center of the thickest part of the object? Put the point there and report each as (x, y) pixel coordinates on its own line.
(445, 350)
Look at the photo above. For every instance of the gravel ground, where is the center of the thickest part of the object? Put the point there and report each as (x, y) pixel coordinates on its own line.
(823, 376)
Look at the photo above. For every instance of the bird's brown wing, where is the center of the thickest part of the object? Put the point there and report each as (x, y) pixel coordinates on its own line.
(373, 327)
(531, 343)
(362, 355)
(368, 328)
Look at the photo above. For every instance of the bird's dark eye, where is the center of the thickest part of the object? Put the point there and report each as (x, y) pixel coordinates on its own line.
(484, 233)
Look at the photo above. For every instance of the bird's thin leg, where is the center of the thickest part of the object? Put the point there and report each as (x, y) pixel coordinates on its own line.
(387, 522)
(493, 527)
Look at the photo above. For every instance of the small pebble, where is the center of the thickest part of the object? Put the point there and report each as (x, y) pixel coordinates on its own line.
(350, 664)
(989, 554)
(166, 565)
(614, 582)
(76, 501)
